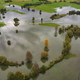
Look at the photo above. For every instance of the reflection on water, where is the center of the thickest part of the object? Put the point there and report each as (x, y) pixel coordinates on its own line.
(31, 37)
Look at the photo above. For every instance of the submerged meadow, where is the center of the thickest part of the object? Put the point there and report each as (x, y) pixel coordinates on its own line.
(29, 35)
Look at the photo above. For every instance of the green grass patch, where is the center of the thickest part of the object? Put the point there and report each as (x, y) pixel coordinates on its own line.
(69, 55)
(49, 24)
(50, 8)
(16, 11)
(2, 24)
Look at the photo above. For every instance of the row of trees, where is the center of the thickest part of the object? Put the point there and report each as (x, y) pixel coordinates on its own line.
(74, 12)
(60, 1)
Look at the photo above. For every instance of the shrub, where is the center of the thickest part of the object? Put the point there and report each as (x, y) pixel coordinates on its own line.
(65, 43)
(16, 31)
(27, 76)
(9, 42)
(21, 76)
(19, 64)
(16, 63)
(22, 62)
(44, 54)
(68, 39)
(11, 63)
(58, 60)
(33, 74)
(61, 57)
(70, 33)
(3, 59)
(43, 68)
(55, 60)
(48, 67)
(17, 74)
(60, 30)
(11, 76)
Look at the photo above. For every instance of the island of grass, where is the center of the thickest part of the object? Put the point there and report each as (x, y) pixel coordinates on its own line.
(69, 55)
(49, 24)
(16, 11)
(2, 24)
(57, 16)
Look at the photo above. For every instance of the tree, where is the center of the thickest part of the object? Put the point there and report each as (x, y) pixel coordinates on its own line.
(41, 20)
(3, 59)
(35, 68)
(65, 43)
(56, 28)
(33, 20)
(29, 56)
(46, 43)
(44, 54)
(11, 76)
(40, 12)
(70, 33)
(16, 20)
(63, 27)
(21, 76)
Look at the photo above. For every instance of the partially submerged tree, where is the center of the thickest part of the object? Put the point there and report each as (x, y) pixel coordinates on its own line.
(29, 56)
(40, 12)
(3, 59)
(35, 68)
(16, 20)
(63, 27)
(46, 43)
(41, 20)
(56, 28)
(44, 54)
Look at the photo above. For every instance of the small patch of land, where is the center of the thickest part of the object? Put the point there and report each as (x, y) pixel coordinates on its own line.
(2, 24)
(49, 24)
(69, 55)
(57, 16)
(16, 11)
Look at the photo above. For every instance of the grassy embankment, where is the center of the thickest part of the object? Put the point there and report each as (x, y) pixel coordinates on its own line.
(2, 24)
(16, 11)
(49, 24)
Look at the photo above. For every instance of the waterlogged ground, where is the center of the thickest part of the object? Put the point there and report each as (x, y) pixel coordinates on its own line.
(31, 37)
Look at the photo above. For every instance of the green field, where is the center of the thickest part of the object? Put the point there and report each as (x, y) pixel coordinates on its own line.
(49, 24)
(50, 8)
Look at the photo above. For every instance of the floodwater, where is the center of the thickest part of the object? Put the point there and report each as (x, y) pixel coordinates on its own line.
(31, 38)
